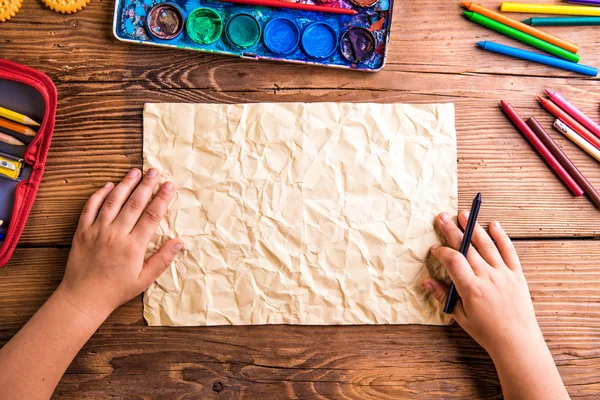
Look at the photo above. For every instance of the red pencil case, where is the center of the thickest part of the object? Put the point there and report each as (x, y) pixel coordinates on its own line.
(31, 93)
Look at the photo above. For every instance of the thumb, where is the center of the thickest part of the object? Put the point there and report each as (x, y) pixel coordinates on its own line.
(159, 262)
(436, 288)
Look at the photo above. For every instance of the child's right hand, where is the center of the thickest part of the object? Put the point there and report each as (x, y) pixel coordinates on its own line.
(495, 307)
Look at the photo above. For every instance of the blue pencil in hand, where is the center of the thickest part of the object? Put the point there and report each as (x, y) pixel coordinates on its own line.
(538, 58)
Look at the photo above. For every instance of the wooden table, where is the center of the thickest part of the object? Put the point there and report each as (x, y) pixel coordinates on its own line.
(102, 85)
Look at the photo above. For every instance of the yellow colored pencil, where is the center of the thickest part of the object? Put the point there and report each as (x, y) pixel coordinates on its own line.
(578, 140)
(10, 140)
(13, 126)
(15, 116)
(549, 9)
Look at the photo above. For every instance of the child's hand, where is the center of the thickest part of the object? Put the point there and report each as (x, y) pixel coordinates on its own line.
(106, 266)
(495, 307)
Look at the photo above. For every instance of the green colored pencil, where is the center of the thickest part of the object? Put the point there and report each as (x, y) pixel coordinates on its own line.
(562, 21)
(521, 37)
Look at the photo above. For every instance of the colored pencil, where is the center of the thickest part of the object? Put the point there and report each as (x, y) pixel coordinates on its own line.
(537, 58)
(520, 36)
(292, 5)
(562, 21)
(549, 9)
(564, 160)
(15, 116)
(574, 112)
(586, 2)
(539, 147)
(570, 121)
(520, 26)
(452, 294)
(578, 140)
(15, 127)
(10, 140)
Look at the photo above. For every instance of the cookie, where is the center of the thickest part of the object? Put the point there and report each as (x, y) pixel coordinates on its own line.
(66, 6)
(8, 9)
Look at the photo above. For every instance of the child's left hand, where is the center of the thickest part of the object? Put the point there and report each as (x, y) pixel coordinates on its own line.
(106, 266)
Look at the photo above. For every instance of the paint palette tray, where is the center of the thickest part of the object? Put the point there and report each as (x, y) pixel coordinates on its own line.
(356, 42)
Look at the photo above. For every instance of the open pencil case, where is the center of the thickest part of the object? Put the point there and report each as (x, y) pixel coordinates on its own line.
(30, 93)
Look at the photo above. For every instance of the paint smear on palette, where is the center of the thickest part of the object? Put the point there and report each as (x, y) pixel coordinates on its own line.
(164, 21)
(243, 31)
(281, 36)
(357, 44)
(377, 25)
(204, 26)
(319, 40)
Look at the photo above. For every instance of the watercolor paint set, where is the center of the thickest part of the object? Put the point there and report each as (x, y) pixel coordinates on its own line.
(351, 34)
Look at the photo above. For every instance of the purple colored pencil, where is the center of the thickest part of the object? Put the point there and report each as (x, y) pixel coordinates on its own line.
(586, 2)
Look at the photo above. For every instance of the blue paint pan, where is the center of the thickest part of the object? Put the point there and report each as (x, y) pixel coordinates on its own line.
(319, 40)
(356, 42)
(281, 36)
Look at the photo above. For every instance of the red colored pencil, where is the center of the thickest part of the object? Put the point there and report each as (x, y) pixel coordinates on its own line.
(537, 144)
(564, 160)
(574, 111)
(570, 121)
(295, 6)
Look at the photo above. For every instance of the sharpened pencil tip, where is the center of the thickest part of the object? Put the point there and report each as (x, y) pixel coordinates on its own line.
(549, 92)
(465, 4)
(468, 14)
(542, 100)
(481, 44)
(503, 103)
(527, 21)
(478, 197)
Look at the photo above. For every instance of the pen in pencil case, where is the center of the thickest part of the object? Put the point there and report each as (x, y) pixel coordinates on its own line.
(452, 295)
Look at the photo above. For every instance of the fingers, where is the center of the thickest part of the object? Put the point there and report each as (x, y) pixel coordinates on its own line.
(457, 265)
(92, 206)
(483, 243)
(439, 290)
(114, 202)
(454, 235)
(150, 218)
(137, 202)
(159, 262)
(505, 246)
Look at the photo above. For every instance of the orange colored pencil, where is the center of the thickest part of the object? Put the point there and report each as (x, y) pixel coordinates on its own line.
(13, 126)
(518, 25)
(10, 140)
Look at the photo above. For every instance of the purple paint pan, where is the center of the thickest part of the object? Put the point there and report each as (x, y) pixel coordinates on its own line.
(357, 44)
(164, 21)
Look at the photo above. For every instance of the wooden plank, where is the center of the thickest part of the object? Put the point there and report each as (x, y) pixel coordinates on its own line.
(127, 359)
(427, 36)
(98, 138)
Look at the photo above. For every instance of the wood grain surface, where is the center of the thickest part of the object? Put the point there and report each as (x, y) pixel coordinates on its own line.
(126, 359)
(432, 57)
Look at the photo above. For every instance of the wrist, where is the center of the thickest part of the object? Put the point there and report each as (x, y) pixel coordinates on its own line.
(530, 347)
(85, 305)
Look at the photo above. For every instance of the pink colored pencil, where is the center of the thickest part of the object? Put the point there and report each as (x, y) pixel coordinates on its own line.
(539, 147)
(295, 6)
(574, 112)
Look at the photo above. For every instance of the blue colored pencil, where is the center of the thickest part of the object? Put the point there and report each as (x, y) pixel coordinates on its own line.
(538, 58)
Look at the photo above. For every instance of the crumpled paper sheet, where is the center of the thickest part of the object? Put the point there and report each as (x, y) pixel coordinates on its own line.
(296, 213)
